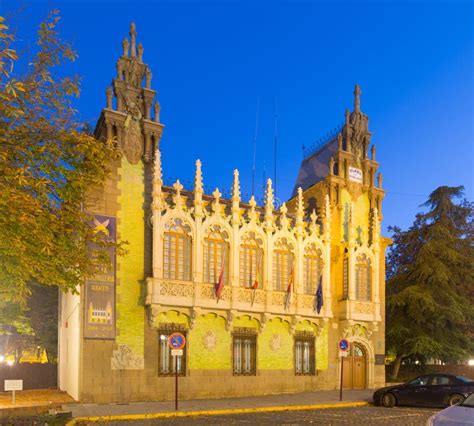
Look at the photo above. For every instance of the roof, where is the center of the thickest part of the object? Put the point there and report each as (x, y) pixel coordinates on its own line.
(315, 168)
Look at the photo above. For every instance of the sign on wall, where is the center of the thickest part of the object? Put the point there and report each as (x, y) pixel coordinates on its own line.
(355, 174)
(99, 299)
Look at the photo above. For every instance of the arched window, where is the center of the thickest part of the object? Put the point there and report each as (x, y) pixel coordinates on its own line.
(177, 251)
(363, 278)
(345, 275)
(216, 255)
(312, 268)
(282, 265)
(251, 261)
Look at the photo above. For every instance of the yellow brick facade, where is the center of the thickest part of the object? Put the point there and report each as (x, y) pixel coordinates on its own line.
(335, 212)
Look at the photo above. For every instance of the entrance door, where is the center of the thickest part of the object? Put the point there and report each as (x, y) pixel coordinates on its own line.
(355, 368)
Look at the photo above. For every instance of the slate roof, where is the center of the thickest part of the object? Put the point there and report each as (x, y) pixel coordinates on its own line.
(315, 167)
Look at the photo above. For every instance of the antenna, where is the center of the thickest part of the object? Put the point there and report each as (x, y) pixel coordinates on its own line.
(255, 148)
(275, 151)
(264, 178)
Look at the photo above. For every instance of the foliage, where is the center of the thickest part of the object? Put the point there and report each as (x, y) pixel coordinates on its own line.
(47, 164)
(430, 301)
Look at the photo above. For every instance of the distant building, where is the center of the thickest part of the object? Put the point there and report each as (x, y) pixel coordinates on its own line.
(293, 280)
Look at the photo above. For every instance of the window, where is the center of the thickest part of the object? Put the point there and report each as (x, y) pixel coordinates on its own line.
(312, 268)
(167, 363)
(305, 354)
(216, 256)
(251, 261)
(441, 380)
(282, 265)
(244, 352)
(419, 381)
(177, 251)
(345, 276)
(363, 279)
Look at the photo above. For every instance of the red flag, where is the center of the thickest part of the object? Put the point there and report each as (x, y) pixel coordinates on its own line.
(289, 288)
(257, 274)
(219, 286)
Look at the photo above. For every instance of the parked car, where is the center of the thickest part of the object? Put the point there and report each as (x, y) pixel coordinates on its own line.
(460, 414)
(430, 390)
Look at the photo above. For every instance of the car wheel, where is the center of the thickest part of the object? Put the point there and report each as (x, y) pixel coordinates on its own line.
(455, 399)
(389, 400)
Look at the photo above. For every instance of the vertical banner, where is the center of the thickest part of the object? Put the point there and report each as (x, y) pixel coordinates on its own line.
(99, 306)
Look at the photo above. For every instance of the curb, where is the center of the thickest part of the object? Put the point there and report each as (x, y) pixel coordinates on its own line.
(200, 413)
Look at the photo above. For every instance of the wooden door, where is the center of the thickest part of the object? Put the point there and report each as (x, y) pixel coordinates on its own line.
(355, 368)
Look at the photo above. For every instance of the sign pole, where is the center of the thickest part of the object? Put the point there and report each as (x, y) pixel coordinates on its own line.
(176, 384)
(13, 397)
(342, 374)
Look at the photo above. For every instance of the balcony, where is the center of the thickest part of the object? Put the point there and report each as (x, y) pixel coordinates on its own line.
(188, 294)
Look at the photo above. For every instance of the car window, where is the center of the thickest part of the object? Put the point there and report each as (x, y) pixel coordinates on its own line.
(419, 381)
(464, 379)
(441, 380)
(469, 401)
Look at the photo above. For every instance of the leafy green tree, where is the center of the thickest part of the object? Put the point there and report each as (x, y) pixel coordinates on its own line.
(47, 164)
(430, 305)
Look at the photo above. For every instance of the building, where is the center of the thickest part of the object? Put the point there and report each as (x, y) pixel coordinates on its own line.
(293, 280)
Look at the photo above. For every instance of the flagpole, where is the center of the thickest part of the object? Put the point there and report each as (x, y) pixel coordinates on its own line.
(255, 148)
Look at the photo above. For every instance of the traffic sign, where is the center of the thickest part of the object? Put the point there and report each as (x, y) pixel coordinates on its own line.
(176, 352)
(342, 354)
(343, 345)
(176, 341)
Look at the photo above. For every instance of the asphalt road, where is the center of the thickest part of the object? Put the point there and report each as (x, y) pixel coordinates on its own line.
(341, 416)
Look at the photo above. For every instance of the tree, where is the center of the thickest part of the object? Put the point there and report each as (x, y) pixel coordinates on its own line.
(430, 301)
(47, 164)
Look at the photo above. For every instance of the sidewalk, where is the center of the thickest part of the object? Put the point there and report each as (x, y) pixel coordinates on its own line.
(286, 400)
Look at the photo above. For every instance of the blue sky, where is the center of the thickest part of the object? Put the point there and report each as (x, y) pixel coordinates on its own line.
(212, 61)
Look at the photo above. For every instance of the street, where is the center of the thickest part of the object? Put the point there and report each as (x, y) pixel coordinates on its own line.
(342, 416)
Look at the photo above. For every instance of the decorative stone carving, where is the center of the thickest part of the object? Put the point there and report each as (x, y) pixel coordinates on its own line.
(133, 144)
(229, 320)
(275, 343)
(124, 359)
(363, 308)
(176, 289)
(209, 341)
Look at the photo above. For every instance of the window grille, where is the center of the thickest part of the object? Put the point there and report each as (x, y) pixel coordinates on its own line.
(177, 252)
(250, 264)
(312, 268)
(305, 359)
(345, 276)
(167, 364)
(244, 352)
(282, 269)
(214, 250)
(363, 279)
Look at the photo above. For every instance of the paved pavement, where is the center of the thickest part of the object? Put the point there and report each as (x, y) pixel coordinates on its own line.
(357, 416)
(305, 398)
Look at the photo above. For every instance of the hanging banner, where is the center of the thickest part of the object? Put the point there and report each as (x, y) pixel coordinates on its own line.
(99, 299)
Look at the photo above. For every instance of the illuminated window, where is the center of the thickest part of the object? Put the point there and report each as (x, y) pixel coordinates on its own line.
(305, 359)
(363, 279)
(312, 268)
(167, 364)
(251, 261)
(216, 256)
(244, 343)
(282, 265)
(177, 251)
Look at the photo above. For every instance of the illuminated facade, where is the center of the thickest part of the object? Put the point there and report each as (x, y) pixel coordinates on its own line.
(263, 295)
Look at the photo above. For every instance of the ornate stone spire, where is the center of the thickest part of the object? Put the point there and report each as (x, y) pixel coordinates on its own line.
(157, 193)
(283, 218)
(236, 198)
(216, 206)
(177, 198)
(269, 204)
(133, 40)
(339, 141)
(300, 212)
(357, 93)
(327, 217)
(313, 227)
(252, 214)
(379, 180)
(140, 52)
(198, 190)
(373, 151)
(109, 94)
